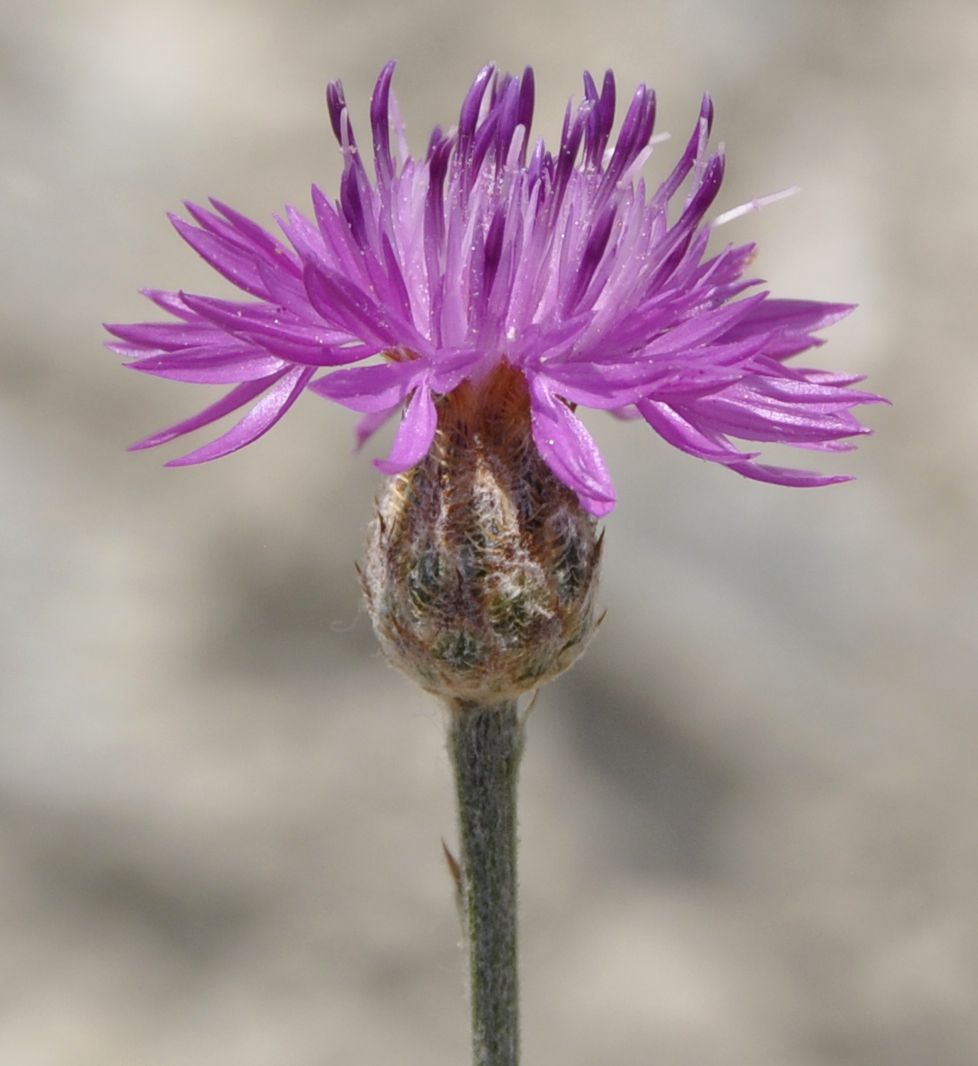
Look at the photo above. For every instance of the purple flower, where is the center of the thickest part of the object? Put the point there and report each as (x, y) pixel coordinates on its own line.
(491, 250)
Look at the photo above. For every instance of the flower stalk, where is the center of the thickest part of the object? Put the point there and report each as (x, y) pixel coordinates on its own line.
(485, 744)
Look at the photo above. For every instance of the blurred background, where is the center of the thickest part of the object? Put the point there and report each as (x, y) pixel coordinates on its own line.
(748, 817)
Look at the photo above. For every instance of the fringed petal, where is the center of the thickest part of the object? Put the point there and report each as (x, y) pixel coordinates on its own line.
(258, 421)
(414, 435)
(688, 437)
(236, 398)
(211, 365)
(369, 389)
(570, 451)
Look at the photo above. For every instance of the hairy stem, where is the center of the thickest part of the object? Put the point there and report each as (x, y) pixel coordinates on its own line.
(485, 741)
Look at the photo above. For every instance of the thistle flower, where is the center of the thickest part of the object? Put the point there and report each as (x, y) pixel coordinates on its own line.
(492, 259)
(482, 293)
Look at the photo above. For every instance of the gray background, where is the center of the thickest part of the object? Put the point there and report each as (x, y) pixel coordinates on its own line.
(748, 830)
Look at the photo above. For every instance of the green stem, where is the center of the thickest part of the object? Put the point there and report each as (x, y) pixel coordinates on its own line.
(485, 741)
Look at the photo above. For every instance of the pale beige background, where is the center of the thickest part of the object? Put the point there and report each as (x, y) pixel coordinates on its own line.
(748, 827)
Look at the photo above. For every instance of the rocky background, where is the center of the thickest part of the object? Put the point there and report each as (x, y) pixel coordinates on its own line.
(748, 833)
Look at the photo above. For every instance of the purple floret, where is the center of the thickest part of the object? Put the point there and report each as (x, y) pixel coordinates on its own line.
(489, 249)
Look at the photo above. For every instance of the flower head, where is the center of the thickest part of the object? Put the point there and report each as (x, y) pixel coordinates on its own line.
(430, 275)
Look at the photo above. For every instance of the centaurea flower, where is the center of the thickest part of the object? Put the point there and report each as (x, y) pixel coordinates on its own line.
(492, 251)
(482, 293)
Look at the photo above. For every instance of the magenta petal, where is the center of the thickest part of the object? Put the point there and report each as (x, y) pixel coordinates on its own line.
(610, 385)
(830, 377)
(274, 250)
(231, 402)
(380, 123)
(211, 366)
(236, 265)
(347, 306)
(170, 336)
(570, 452)
(258, 421)
(171, 302)
(797, 315)
(823, 394)
(453, 367)
(683, 434)
(312, 344)
(370, 388)
(752, 417)
(780, 475)
(703, 327)
(607, 388)
(790, 324)
(414, 435)
(370, 423)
